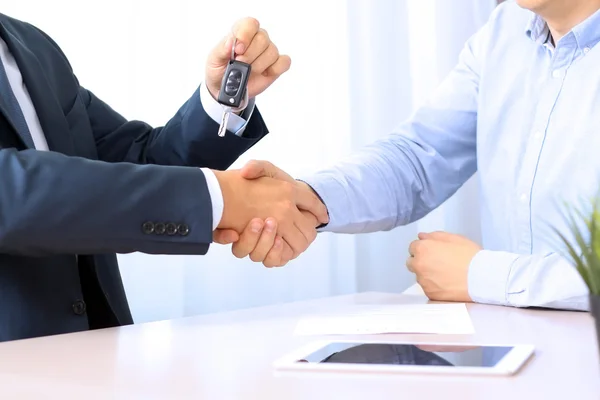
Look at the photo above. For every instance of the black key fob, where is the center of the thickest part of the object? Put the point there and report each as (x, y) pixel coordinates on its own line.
(233, 86)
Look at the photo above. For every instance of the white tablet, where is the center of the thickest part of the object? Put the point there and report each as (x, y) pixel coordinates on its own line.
(407, 357)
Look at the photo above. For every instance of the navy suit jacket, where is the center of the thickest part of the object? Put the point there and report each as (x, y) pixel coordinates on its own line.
(106, 186)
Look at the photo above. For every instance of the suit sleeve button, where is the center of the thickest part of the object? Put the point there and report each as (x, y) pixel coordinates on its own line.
(183, 229)
(171, 229)
(159, 228)
(148, 227)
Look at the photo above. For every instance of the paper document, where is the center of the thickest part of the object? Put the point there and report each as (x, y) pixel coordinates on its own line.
(409, 318)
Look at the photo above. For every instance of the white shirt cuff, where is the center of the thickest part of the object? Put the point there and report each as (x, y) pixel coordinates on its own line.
(216, 196)
(488, 277)
(237, 123)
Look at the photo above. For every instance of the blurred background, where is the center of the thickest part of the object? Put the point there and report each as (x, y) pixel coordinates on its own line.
(359, 68)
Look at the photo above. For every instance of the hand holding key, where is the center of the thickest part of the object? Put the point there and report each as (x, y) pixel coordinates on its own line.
(252, 46)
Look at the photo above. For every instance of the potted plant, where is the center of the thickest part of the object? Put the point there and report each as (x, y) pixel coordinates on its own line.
(583, 250)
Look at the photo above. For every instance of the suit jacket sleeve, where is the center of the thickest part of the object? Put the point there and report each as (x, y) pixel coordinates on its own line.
(51, 203)
(129, 174)
(190, 138)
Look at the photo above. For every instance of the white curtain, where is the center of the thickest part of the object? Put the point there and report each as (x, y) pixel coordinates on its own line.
(359, 68)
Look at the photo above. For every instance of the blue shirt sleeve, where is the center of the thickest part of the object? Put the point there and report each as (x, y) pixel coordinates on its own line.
(402, 177)
(549, 281)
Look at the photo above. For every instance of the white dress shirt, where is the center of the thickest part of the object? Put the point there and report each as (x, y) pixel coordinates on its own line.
(235, 124)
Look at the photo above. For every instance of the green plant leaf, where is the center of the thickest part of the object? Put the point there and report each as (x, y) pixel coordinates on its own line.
(575, 259)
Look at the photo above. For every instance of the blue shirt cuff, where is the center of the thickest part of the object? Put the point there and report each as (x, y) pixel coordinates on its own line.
(489, 273)
(328, 189)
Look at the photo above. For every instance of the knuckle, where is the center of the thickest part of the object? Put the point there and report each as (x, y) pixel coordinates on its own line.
(288, 188)
(419, 266)
(265, 163)
(237, 252)
(270, 261)
(303, 245)
(264, 35)
(420, 246)
(273, 50)
(255, 257)
(252, 22)
(288, 205)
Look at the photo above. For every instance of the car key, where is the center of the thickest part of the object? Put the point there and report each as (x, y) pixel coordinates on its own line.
(233, 92)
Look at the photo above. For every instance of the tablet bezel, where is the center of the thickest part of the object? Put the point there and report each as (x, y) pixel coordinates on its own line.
(509, 365)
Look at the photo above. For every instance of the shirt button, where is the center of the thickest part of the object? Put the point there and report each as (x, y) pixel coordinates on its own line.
(79, 307)
(557, 73)
(586, 50)
(537, 135)
(523, 198)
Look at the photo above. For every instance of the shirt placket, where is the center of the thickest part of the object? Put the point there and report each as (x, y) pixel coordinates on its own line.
(554, 79)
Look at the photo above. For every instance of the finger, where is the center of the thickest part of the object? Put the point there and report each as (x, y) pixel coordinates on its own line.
(413, 247)
(293, 236)
(260, 43)
(265, 242)
(313, 220)
(248, 239)
(259, 83)
(287, 254)
(281, 66)
(225, 236)
(274, 257)
(265, 60)
(307, 227)
(308, 201)
(255, 169)
(410, 264)
(244, 31)
(441, 236)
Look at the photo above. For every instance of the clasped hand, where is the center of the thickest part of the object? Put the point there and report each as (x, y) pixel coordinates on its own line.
(267, 215)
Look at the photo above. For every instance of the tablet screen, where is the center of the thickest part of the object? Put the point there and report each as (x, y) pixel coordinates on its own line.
(408, 354)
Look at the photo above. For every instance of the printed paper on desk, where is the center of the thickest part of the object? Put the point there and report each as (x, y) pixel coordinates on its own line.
(411, 318)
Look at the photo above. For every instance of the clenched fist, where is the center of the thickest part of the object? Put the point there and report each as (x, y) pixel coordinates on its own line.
(253, 47)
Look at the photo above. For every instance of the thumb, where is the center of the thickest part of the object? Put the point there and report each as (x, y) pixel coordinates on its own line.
(257, 169)
(225, 236)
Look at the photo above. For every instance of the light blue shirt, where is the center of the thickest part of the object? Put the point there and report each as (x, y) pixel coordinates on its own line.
(526, 116)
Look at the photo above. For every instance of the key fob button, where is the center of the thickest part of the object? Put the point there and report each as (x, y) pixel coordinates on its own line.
(231, 90)
(233, 83)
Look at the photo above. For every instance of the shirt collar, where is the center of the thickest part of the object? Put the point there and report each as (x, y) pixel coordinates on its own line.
(537, 29)
(587, 33)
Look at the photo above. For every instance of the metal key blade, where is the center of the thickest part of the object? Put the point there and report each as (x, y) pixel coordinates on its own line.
(224, 121)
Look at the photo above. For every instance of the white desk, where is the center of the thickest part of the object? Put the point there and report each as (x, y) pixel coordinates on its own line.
(228, 356)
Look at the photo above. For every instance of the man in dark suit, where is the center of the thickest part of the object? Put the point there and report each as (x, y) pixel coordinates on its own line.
(80, 183)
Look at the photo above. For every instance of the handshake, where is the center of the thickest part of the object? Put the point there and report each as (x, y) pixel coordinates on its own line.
(267, 214)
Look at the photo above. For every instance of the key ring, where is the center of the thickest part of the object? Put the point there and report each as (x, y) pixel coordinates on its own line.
(232, 59)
